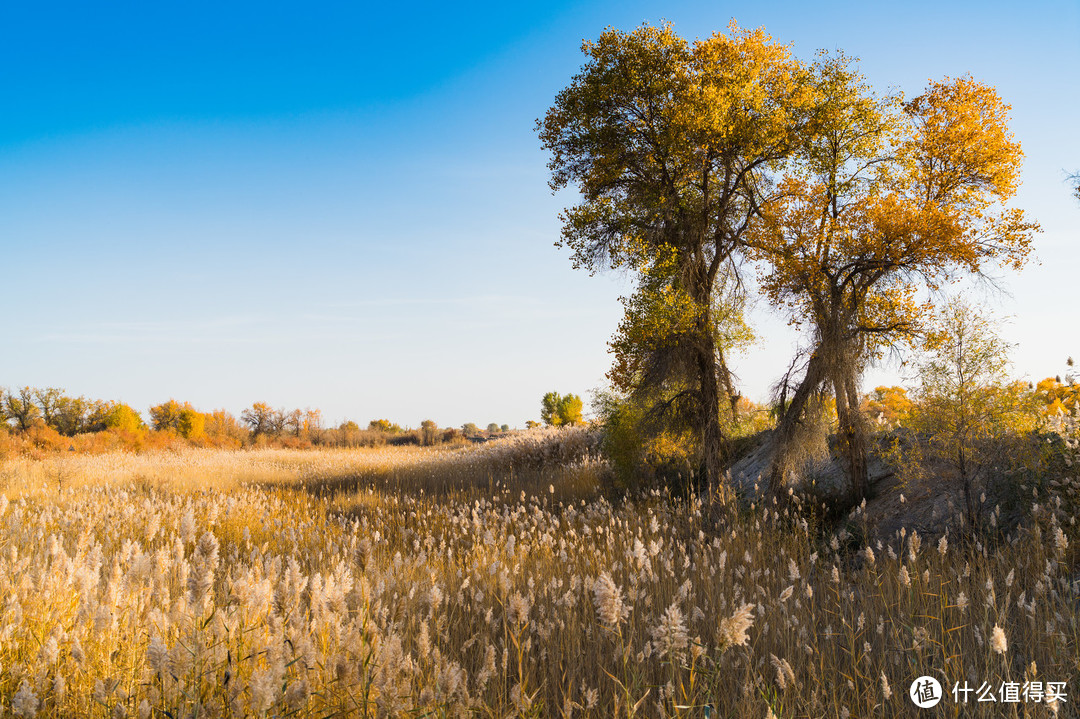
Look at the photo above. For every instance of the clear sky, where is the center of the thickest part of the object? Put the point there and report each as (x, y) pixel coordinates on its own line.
(345, 206)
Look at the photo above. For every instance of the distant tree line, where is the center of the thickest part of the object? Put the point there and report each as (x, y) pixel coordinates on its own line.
(29, 406)
(49, 419)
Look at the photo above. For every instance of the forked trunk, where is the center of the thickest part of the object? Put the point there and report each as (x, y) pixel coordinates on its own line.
(788, 426)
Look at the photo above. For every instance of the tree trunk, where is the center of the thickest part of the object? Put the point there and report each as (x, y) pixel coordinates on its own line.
(965, 479)
(727, 385)
(852, 435)
(712, 437)
(789, 423)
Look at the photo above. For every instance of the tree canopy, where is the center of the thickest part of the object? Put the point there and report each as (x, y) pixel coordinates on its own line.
(558, 410)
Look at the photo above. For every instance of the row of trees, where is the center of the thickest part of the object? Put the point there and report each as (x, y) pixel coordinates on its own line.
(25, 407)
(29, 409)
(697, 164)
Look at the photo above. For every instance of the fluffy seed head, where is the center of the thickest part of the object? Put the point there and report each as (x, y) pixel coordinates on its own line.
(608, 599)
(25, 702)
(669, 635)
(733, 629)
(997, 640)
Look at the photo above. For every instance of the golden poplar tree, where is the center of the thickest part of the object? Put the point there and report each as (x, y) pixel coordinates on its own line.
(670, 146)
(888, 198)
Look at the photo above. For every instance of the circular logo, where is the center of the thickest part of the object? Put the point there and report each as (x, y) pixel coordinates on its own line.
(925, 692)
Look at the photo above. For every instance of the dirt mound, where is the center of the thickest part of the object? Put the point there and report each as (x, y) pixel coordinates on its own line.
(822, 477)
(929, 506)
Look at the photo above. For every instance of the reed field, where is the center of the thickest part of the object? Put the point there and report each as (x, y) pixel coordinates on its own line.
(501, 580)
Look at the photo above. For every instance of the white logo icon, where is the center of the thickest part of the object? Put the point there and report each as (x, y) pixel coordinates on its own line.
(925, 692)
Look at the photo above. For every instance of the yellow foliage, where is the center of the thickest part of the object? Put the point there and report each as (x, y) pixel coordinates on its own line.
(191, 424)
(1056, 397)
(891, 196)
(668, 144)
(888, 406)
(183, 419)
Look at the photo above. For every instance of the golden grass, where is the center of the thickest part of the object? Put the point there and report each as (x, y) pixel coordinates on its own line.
(489, 581)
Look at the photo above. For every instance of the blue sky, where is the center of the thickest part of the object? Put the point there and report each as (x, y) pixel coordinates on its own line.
(345, 206)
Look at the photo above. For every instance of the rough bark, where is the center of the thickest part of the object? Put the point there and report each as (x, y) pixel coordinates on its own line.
(788, 425)
(852, 435)
(711, 433)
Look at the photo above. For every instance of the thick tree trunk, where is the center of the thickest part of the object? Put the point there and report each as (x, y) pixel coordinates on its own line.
(852, 435)
(789, 424)
(711, 374)
(712, 437)
(860, 463)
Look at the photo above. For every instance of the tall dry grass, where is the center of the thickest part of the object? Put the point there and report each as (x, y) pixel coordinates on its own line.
(493, 581)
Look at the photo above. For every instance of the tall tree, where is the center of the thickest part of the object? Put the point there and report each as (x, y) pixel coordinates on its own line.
(669, 146)
(889, 198)
(429, 432)
(964, 403)
(312, 423)
(49, 400)
(114, 415)
(70, 415)
(166, 416)
(557, 410)
(261, 418)
(21, 407)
